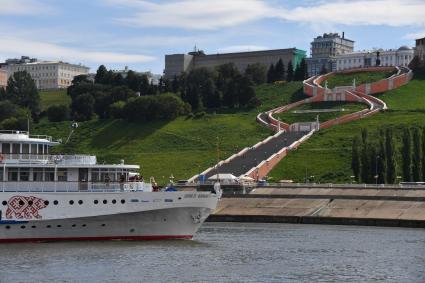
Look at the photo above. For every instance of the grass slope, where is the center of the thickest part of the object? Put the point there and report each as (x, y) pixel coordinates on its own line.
(182, 147)
(327, 154)
(361, 78)
(54, 97)
(345, 107)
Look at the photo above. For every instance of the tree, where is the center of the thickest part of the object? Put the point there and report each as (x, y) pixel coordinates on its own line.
(7, 109)
(175, 84)
(290, 72)
(382, 158)
(144, 85)
(22, 91)
(19, 121)
(365, 172)
(211, 95)
(256, 73)
(389, 157)
(100, 75)
(373, 159)
(58, 113)
(279, 71)
(355, 158)
(245, 91)
(417, 153)
(84, 107)
(301, 71)
(406, 152)
(116, 110)
(271, 74)
(423, 154)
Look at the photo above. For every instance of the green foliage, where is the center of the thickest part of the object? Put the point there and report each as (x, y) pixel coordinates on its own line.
(279, 71)
(22, 91)
(355, 158)
(58, 113)
(406, 152)
(116, 110)
(54, 97)
(84, 107)
(19, 121)
(7, 109)
(256, 73)
(271, 74)
(417, 153)
(290, 72)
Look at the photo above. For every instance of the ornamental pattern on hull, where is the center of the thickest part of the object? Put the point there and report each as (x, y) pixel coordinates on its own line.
(21, 207)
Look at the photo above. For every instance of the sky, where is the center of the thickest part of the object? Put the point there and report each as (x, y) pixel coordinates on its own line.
(138, 33)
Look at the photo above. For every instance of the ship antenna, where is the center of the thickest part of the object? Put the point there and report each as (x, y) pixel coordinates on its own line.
(218, 158)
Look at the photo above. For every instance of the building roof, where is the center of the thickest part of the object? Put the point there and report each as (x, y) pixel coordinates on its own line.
(404, 47)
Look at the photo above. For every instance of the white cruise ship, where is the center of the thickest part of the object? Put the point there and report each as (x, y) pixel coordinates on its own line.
(50, 197)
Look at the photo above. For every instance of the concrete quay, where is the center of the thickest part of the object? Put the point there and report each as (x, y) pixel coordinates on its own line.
(368, 207)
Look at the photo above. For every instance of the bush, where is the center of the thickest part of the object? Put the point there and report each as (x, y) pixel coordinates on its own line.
(58, 113)
(7, 109)
(83, 106)
(200, 114)
(19, 121)
(116, 110)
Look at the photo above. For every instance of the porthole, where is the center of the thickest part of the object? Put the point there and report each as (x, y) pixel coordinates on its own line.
(114, 201)
(55, 202)
(180, 197)
(96, 201)
(71, 202)
(23, 227)
(73, 225)
(8, 227)
(48, 226)
(84, 225)
(103, 225)
(33, 226)
(132, 230)
(30, 202)
(58, 226)
(123, 201)
(165, 219)
(21, 202)
(80, 202)
(46, 202)
(105, 201)
(4, 202)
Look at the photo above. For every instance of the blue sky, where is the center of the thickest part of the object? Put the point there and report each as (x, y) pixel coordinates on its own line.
(137, 33)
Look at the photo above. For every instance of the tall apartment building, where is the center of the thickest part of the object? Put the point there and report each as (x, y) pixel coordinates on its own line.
(46, 74)
(324, 49)
(391, 57)
(175, 64)
(3, 78)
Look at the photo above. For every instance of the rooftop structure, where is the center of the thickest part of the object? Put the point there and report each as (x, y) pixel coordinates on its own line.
(420, 50)
(175, 64)
(3, 78)
(46, 74)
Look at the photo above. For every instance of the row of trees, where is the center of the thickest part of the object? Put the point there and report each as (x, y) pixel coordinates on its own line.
(277, 72)
(19, 102)
(377, 162)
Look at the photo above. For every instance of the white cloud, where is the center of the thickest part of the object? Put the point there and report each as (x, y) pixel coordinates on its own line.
(23, 7)
(242, 48)
(194, 14)
(10, 46)
(415, 35)
(215, 14)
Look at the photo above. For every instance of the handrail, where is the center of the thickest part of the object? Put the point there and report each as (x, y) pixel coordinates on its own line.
(27, 158)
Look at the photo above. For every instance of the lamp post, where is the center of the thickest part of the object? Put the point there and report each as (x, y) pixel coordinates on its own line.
(352, 178)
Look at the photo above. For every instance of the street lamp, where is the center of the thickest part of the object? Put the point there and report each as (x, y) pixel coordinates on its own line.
(352, 179)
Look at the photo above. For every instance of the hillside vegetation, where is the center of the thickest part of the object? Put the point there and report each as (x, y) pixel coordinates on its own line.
(54, 97)
(327, 154)
(182, 147)
(361, 78)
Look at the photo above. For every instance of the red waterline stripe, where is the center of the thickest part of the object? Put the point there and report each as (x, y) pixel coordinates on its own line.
(126, 238)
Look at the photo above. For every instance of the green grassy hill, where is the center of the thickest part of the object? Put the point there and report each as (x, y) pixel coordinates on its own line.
(343, 108)
(183, 147)
(327, 155)
(361, 78)
(54, 97)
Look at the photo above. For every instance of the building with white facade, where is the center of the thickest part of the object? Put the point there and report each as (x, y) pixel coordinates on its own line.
(323, 51)
(361, 59)
(3, 78)
(46, 74)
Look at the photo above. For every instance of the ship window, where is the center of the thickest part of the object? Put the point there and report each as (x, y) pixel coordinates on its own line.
(40, 149)
(46, 149)
(33, 226)
(96, 201)
(8, 227)
(25, 148)
(62, 175)
(13, 174)
(58, 226)
(80, 202)
(123, 201)
(73, 225)
(6, 148)
(114, 201)
(1, 174)
(49, 174)
(95, 175)
(55, 202)
(24, 174)
(84, 225)
(105, 201)
(23, 227)
(37, 174)
(33, 149)
(71, 202)
(48, 226)
(16, 148)
(4, 202)
(46, 202)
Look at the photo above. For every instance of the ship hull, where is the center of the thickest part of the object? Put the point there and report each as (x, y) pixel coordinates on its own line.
(172, 223)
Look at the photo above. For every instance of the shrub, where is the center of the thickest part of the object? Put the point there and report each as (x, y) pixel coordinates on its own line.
(200, 114)
(58, 113)
(116, 110)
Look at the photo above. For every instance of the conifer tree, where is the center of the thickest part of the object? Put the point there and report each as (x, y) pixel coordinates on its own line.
(406, 153)
(355, 158)
(417, 153)
(389, 157)
(423, 154)
(381, 160)
(365, 172)
(279, 71)
(271, 74)
(290, 72)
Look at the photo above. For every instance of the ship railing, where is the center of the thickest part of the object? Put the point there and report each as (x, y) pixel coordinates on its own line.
(60, 159)
(13, 132)
(71, 186)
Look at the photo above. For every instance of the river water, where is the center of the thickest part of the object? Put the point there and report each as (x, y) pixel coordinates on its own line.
(229, 252)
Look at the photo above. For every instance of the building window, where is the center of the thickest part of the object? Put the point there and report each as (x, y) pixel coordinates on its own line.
(62, 175)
